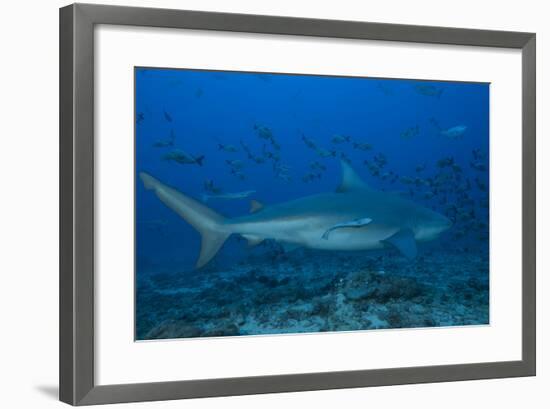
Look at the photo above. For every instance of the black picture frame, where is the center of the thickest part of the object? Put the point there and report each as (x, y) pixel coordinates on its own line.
(76, 280)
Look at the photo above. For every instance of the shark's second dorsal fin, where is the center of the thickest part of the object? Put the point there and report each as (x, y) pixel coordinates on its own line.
(255, 206)
(350, 180)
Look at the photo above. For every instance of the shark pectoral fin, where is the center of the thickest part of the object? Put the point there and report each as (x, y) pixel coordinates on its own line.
(253, 240)
(255, 206)
(403, 241)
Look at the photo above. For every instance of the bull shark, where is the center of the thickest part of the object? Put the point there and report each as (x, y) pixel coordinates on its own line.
(354, 217)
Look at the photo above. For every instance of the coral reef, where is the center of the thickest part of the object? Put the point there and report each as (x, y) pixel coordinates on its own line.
(310, 291)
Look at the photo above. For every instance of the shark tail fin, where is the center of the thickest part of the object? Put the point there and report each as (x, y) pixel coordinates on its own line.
(211, 243)
(207, 222)
(148, 181)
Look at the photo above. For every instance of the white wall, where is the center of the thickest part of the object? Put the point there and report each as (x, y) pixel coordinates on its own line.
(29, 192)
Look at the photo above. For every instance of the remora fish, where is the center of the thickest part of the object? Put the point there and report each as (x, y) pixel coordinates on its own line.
(228, 196)
(303, 222)
(353, 223)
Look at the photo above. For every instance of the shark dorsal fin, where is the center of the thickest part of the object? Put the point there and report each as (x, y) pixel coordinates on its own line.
(255, 206)
(350, 180)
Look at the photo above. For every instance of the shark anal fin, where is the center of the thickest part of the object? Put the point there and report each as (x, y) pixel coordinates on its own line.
(403, 241)
(253, 240)
(288, 247)
(352, 223)
(255, 206)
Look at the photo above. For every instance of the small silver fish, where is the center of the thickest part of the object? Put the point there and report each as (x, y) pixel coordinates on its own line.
(228, 196)
(340, 138)
(310, 177)
(455, 132)
(227, 148)
(410, 132)
(183, 158)
(167, 142)
(309, 142)
(235, 164)
(323, 153)
(263, 132)
(362, 146)
(429, 90)
(317, 166)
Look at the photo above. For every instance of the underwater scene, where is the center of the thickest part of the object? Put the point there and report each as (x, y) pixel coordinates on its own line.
(290, 203)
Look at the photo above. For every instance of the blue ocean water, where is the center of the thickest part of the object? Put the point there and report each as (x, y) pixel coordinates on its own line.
(283, 137)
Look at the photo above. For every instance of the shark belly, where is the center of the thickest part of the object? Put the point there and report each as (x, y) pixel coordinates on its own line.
(308, 232)
(286, 231)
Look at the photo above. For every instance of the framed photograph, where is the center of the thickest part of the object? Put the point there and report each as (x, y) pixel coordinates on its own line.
(257, 204)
